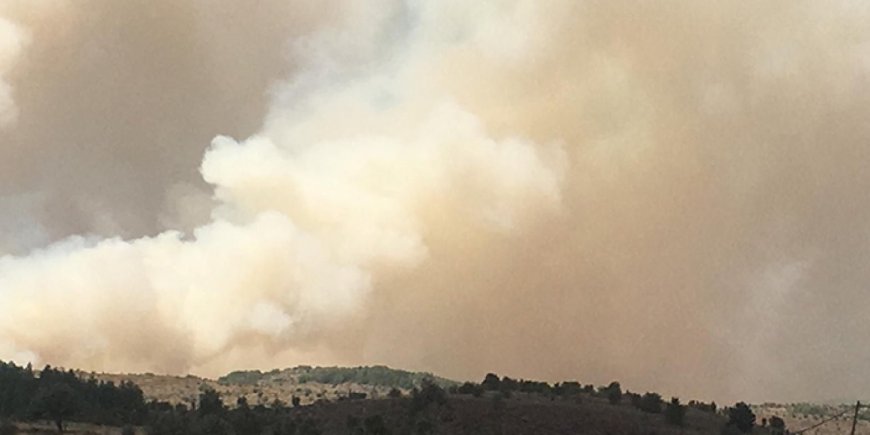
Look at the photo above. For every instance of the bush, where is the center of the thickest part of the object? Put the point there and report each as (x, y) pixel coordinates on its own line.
(777, 423)
(675, 413)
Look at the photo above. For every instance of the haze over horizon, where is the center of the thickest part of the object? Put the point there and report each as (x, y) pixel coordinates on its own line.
(669, 194)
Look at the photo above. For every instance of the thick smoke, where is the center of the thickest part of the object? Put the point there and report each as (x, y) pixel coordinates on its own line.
(672, 195)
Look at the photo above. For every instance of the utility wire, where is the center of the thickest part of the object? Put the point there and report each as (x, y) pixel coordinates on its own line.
(821, 422)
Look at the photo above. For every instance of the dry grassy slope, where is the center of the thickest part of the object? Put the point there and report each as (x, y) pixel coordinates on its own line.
(280, 385)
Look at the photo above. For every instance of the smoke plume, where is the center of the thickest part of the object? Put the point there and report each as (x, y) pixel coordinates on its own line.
(671, 195)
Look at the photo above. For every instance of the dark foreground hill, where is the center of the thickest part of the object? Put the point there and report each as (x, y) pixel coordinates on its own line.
(496, 415)
(491, 413)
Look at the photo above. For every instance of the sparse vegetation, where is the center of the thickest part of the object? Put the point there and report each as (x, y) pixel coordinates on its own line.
(495, 405)
(241, 377)
(373, 375)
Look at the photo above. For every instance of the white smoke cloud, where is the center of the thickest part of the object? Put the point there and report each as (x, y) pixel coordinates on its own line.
(671, 195)
(301, 227)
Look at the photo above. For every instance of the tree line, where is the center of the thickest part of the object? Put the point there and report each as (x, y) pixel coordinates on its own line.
(62, 396)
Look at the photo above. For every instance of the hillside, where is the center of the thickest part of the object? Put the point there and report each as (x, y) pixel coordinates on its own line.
(308, 383)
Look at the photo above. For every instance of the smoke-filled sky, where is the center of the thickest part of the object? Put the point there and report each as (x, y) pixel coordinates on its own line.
(672, 194)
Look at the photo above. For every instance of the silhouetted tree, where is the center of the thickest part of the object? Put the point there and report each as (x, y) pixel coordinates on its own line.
(612, 392)
(508, 384)
(56, 401)
(210, 403)
(491, 382)
(741, 417)
(777, 426)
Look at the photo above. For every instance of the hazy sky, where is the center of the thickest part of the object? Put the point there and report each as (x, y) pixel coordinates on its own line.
(672, 194)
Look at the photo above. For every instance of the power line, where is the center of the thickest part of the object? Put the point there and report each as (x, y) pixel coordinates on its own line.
(821, 422)
(858, 407)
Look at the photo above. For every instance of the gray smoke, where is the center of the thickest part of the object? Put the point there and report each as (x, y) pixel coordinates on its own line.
(672, 195)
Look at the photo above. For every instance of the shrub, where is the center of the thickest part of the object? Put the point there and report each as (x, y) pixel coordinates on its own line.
(777, 423)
